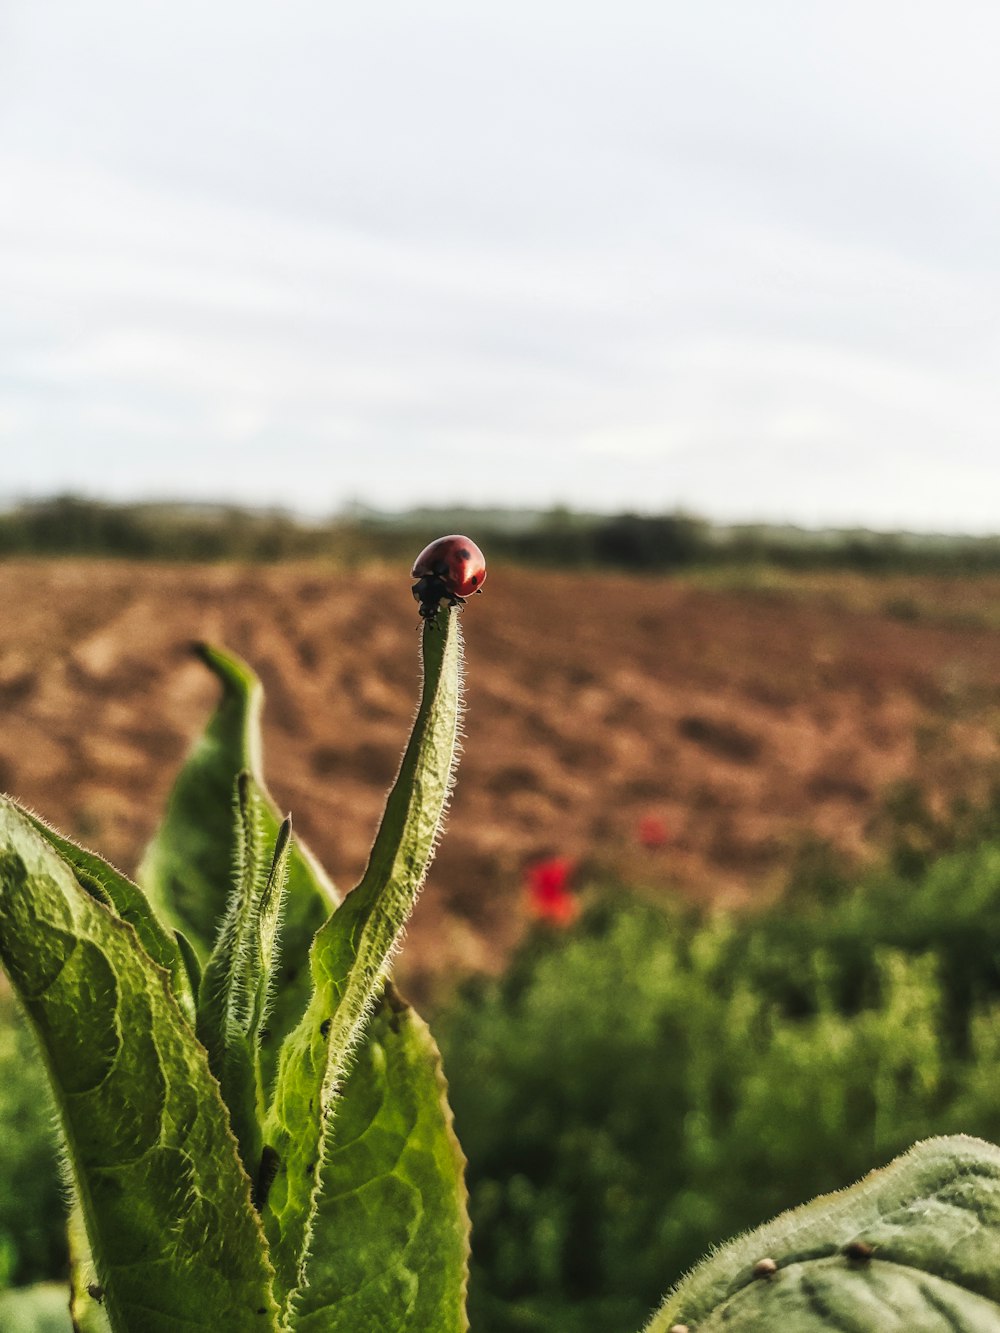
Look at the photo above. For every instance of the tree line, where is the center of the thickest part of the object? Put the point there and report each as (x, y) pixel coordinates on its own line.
(73, 526)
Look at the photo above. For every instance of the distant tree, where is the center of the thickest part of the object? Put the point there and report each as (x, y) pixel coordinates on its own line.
(651, 542)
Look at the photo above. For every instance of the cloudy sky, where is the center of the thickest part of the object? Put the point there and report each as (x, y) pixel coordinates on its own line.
(740, 257)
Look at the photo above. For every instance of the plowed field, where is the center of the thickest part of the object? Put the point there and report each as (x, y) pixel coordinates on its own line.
(740, 718)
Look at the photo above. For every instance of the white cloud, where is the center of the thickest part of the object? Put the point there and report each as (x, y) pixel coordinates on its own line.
(741, 258)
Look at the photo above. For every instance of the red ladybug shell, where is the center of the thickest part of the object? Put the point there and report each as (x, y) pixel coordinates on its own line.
(456, 560)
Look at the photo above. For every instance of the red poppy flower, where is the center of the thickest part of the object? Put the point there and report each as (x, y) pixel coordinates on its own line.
(549, 897)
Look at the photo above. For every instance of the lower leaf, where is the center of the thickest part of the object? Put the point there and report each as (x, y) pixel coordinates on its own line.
(175, 1240)
(913, 1248)
(389, 1246)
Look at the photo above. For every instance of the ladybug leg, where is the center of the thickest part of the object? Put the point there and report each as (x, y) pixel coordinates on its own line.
(428, 592)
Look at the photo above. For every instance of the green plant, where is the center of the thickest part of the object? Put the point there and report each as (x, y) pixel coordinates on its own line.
(912, 1248)
(254, 1144)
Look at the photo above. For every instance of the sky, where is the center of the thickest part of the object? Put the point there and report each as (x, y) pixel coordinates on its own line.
(741, 259)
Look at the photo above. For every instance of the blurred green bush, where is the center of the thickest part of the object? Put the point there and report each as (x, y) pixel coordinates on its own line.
(641, 1086)
(40, 1309)
(32, 1239)
(647, 1084)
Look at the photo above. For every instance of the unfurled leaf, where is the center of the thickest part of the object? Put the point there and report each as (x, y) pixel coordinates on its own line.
(188, 868)
(234, 987)
(192, 964)
(348, 963)
(175, 1240)
(390, 1235)
(913, 1248)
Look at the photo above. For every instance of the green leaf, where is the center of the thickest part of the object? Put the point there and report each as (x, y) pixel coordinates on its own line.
(349, 959)
(188, 867)
(189, 958)
(390, 1241)
(234, 987)
(913, 1248)
(128, 901)
(86, 1303)
(175, 1239)
(202, 811)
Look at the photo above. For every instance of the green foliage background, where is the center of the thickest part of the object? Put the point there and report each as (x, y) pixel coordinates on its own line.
(636, 1090)
(32, 1231)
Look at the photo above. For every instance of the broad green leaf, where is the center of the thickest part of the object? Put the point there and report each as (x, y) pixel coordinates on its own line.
(176, 1242)
(390, 1242)
(349, 959)
(129, 902)
(234, 988)
(188, 867)
(913, 1248)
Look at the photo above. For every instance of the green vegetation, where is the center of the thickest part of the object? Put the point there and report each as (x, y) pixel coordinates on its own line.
(642, 1086)
(32, 1234)
(911, 1247)
(259, 1138)
(68, 525)
(639, 1088)
(207, 1193)
(40, 1309)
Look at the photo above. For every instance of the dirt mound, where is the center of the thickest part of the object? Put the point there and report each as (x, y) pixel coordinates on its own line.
(729, 721)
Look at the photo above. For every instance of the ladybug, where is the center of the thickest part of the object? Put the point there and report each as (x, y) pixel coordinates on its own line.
(452, 567)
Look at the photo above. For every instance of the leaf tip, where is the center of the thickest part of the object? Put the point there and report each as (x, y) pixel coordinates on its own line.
(283, 837)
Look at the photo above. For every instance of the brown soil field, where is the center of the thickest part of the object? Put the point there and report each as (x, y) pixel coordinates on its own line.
(744, 713)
